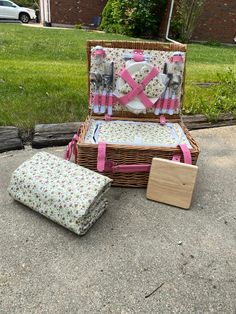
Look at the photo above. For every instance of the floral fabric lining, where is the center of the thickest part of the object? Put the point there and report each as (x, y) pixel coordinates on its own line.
(116, 55)
(66, 193)
(153, 89)
(136, 133)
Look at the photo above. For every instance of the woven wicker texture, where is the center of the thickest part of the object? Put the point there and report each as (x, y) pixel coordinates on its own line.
(124, 154)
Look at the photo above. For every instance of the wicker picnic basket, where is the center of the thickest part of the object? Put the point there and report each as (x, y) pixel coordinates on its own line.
(87, 154)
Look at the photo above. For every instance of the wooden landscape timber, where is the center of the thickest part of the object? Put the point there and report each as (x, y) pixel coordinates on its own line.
(10, 139)
(61, 134)
(46, 135)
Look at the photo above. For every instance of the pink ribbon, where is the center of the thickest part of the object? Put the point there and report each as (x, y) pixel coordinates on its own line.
(137, 89)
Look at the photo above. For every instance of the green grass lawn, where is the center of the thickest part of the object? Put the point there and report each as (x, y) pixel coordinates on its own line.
(43, 75)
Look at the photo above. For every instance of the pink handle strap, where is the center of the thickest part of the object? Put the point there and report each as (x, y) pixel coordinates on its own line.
(72, 148)
(111, 166)
(186, 153)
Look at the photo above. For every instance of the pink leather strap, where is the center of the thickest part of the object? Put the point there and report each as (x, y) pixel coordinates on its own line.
(150, 76)
(101, 159)
(137, 89)
(111, 166)
(177, 58)
(176, 158)
(138, 55)
(186, 153)
(162, 120)
(71, 148)
(131, 168)
(107, 117)
(99, 52)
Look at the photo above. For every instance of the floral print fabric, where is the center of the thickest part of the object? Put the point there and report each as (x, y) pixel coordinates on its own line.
(152, 90)
(136, 133)
(62, 191)
(116, 55)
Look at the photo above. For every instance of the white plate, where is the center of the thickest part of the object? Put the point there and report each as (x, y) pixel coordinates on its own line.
(136, 106)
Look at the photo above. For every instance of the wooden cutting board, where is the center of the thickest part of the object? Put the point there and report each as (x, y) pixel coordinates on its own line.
(171, 182)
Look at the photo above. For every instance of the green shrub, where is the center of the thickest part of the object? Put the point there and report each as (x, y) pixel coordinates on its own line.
(78, 26)
(107, 19)
(185, 19)
(139, 18)
(28, 3)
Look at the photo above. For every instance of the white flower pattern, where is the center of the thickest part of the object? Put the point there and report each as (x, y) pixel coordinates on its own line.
(136, 133)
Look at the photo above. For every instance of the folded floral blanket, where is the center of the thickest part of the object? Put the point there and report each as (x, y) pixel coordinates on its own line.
(66, 193)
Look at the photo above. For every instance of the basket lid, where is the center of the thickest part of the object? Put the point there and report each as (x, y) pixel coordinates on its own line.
(146, 79)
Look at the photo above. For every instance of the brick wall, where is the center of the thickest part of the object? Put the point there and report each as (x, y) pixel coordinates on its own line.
(216, 22)
(75, 11)
(163, 26)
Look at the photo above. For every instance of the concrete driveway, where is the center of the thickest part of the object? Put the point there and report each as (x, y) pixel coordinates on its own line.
(137, 247)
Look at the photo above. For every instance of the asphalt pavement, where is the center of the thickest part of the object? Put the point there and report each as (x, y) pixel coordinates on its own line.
(140, 257)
